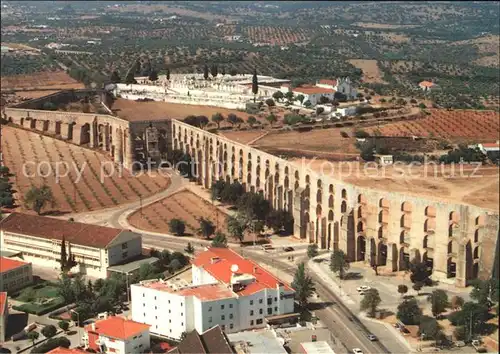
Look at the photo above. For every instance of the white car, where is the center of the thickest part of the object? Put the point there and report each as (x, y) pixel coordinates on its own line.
(363, 288)
(357, 351)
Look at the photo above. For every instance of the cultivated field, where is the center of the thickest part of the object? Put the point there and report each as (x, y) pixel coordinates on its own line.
(480, 126)
(41, 80)
(318, 140)
(183, 205)
(450, 183)
(371, 71)
(276, 35)
(244, 136)
(39, 155)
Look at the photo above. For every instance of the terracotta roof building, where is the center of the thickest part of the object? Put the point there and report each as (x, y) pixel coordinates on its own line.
(4, 314)
(117, 335)
(94, 248)
(14, 274)
(213, 340)
(226, 289)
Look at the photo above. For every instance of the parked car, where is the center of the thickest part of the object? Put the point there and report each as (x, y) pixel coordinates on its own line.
(363, 288)
(288, 249)
(372, 337)
(357, 351)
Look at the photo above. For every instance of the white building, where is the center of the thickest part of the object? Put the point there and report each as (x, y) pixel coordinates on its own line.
(95, 248)
(428, 86)
(311, 93)
(342, 85)
(316, 348)
(117, 335)
(226, 289)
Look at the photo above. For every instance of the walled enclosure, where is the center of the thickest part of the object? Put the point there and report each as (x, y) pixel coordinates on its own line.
(380, 228)
(458, 241)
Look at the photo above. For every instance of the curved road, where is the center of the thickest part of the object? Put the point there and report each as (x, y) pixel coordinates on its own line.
(332, 312)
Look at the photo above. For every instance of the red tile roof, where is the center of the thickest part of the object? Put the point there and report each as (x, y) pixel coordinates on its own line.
(7, 264)
(3, 302)
(328, 82)
(426, 84)
(491, 145)
(221, 269)
(62, 350)
(117, 327)
(313, 90)
(50, 228)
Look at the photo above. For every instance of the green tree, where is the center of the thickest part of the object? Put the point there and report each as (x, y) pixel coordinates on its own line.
(255, 84)
(312, 250)
(177, 226)
(253, 206)
(289, 96)
(402, 289)
(485, 291)
(236, 227)
(214, 70)
(439, 301)
(49, 331)
(33, 336)
(307, 104)
(167, 74)
(300, 98)
(219, 240)
(6, 191)
(271, 119)
(189, 248)
(217, 118)
(64, 325)
(280, 220)
(115, 78)
(130, 79)
(370, 302)
(270, 102)
(409, 312)
(303, 285)
(339, 263)
(429, 328)
(456, 302)
(64, 258)
(324, 100)
(79, 288)
(38, 197)
(251, 120)
(165, 257)
(153, 76)
(232, 118)
(65, 288)
(472, 317)
(205, 72)
(417, 287)
(217, 189)
(278, 96)
(207, 228)
(419, 272)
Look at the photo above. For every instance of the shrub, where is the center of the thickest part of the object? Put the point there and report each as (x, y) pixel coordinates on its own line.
(270, 102)
(49, 331)
(50, 344)
(360, 133)
(177, 226)
(344, 134)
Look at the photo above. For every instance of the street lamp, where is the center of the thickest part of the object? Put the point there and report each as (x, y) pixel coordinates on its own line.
(78, 324)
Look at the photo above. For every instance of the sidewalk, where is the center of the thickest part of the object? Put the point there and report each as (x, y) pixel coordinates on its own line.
(384, 331)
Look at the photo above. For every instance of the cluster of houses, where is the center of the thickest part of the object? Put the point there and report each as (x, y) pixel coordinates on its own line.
(222, 294)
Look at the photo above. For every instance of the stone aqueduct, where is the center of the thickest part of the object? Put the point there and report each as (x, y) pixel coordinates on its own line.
(377, 227)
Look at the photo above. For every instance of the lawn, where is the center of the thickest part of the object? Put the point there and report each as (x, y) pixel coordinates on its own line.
(39, 299)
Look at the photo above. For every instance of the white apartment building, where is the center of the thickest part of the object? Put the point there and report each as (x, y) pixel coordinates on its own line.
(117, 335)
(226, 289)
(95, 248)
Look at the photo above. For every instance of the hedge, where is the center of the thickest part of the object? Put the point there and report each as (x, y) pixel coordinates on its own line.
(39, 310)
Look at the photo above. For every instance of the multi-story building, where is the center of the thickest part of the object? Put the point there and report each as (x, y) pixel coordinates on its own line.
(226, 289)
(4, 314)
(94, 248)
(117, 335)
(14, 274)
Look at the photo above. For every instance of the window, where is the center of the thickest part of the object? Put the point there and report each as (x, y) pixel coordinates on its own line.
(169, 321)
(260, 301)
(276, 308)
(182, 324)
(230, 306)
(275, 299)
(182, 313)
(125, 255)
(251, 312)
(210, 309)
(222, 317)
(156, 308)
(222, 307)
(124, 246)
(144, 314)
(156, 317)
(270, 311)
(230, 316)
(169, 301)
(169, 311)
(143, 295)
(231, 326)
(251, 323)
(269, 301)
(251, 302)
(259, 321)
(260, 311)
(210, 319)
